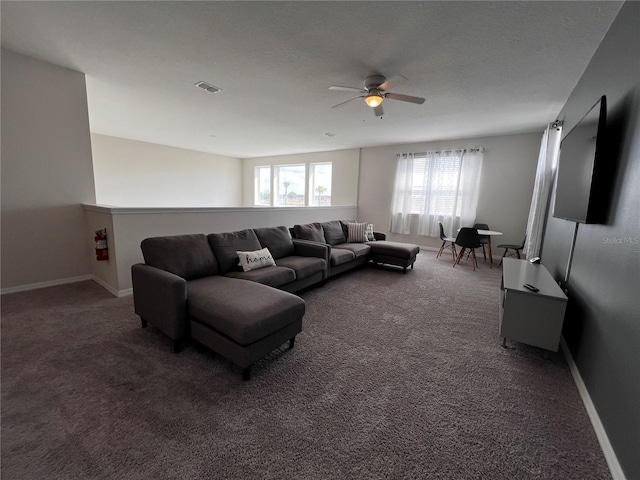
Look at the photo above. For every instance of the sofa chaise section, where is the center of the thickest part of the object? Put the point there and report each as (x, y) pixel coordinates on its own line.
(179, 290)
(242, 321)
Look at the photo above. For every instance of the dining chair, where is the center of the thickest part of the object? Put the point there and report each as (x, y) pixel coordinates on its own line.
(516, 250)
(468, 238)
(447, 242)
(484, 239)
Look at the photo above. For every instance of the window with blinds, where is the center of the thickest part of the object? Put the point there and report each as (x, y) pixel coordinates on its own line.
(435, 184)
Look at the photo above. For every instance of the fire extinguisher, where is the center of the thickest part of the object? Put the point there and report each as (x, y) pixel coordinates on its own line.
(102, 250)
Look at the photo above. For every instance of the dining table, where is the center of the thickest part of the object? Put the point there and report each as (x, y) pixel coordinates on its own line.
(489, 234)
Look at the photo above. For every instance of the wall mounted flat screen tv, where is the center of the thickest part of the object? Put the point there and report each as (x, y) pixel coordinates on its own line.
(582, 186)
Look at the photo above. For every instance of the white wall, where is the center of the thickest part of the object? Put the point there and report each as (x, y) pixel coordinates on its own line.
(130, 173)
(508, 172)
(46, 173)
(344, 173)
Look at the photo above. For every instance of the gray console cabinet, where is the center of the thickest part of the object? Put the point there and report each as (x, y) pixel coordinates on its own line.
(534, 318)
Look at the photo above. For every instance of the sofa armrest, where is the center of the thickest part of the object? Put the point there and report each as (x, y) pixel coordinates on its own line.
(308, 248)
(379, 236)
(160, 297)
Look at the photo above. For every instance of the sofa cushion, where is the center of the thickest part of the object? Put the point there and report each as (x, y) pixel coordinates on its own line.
(357, 232)
(340, 256)
(310, 231)
(333, 233)
(273, 276)
(225, 246)
(243, 311)
(188, 256)
(394, 249)
(255, 260)
(303, 266)
(276, 239)
(358, 249)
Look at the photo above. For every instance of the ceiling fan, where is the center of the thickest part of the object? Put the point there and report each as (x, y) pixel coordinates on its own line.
(376, 90)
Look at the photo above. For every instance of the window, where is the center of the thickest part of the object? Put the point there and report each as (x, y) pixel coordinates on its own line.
(290, 181)
(436, 178)
(438, 187)
(320, 184)
(262, 192)
(286, 185)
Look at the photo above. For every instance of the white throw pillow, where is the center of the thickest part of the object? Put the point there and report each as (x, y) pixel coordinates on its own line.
(369, 233)
(357, 232)
(255, 260)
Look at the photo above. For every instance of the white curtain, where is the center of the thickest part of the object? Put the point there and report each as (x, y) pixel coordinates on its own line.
(547, 162)
(440, 186)
(401, 204)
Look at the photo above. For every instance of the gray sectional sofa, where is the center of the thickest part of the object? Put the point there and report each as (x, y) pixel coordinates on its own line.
(345, 254)
(192, 286)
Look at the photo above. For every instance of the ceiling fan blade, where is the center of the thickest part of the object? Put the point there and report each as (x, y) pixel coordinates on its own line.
(404, 98)
(346, 101)
(347, 89)
(378, 111)
(392, 82)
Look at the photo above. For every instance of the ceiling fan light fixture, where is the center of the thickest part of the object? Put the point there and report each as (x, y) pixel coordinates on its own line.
(373, 99)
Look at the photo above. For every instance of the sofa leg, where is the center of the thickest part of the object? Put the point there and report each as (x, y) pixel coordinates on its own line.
(292, 342)
(404, 270)
(144, 322)
(246, 374)
(177, 346)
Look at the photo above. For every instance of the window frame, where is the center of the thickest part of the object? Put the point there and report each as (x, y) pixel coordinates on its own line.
(276, 182)
(275, 176)
(313, 187)
(256, 186)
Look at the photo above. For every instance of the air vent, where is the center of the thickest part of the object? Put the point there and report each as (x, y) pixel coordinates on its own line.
(208, 87)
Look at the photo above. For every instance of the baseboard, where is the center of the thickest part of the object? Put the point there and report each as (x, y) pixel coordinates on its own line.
(64, 281)
(111, 290)
(50, 283)
(601, 434)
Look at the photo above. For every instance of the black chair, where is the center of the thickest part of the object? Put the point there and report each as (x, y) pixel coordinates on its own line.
(484, 239)
(516, 250)
(447, 242)
(468, 238)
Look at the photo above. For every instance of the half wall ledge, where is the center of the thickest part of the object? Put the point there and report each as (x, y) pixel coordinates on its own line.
(128, 226)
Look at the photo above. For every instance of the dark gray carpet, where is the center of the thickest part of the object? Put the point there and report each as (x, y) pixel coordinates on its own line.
(394, 376)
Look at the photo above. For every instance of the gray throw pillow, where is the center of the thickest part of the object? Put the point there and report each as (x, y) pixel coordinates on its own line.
(188, 256)
(310, 231)
(225, 246)
(333, 233)
(277, 240)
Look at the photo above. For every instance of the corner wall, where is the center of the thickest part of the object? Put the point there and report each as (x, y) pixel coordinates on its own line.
(46, 173)
(602, 325)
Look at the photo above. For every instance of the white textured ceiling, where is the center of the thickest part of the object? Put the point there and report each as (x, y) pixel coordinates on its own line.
(485, 68)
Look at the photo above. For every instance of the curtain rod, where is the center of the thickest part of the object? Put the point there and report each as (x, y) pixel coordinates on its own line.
(456, 150)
